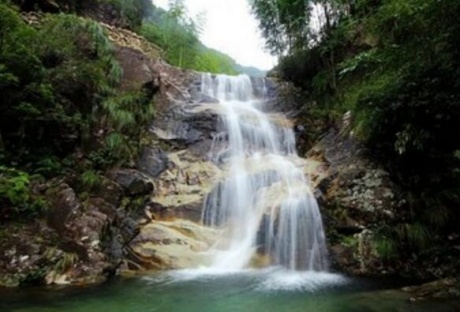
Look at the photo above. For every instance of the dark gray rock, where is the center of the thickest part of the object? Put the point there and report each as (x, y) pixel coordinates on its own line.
(152, 161)
(109, 191)
(132, 181)
(115, 250)
(64, 207)
(128, 229)
(104, 207)
(284, 97)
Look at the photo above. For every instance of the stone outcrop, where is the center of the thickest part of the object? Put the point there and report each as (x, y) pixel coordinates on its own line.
(80, 242)
(176, 244)
(356, 196)
(132, 181)
(181, 189)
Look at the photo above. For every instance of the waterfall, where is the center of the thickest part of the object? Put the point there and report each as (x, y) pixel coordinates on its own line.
(265, 204)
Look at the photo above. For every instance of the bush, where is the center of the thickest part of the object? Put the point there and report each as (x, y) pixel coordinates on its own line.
(16, 198)
(58, 84)
(14, 186)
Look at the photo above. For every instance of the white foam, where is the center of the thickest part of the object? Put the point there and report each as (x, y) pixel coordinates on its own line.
(283, 280)
(263, 280)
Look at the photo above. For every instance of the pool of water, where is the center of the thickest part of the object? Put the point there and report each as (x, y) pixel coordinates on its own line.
(193, 291)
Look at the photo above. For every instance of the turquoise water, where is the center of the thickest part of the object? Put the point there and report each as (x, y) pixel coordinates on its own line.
(244, 291)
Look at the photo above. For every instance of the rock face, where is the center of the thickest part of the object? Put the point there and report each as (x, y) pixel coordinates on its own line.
(75, 246)
(152, 161)
(356, 196)
(138, 72)
(132, 181)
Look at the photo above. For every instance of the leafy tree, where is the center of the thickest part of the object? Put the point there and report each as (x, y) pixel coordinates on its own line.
(177, 34)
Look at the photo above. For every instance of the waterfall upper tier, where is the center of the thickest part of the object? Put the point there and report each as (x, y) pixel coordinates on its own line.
(265, 203)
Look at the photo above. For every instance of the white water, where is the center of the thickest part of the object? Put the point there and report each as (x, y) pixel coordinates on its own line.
(265, 205)
(263, 280)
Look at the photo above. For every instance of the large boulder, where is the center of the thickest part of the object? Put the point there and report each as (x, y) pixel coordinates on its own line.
(174, 244)
(64, 207)
(132, 181)
(138, 71)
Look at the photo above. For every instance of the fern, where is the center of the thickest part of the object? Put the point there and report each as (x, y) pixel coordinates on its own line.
(67, 261)
(90, 179)
(114, 141)
(416, 235)
(386, 247)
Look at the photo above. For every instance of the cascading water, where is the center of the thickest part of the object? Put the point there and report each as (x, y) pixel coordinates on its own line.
(265, 203)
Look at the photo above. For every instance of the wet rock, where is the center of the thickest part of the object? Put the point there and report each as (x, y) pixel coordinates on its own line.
(188, 210)
(181, 189)
(447, 288)
(180, 119)
(284, 97)
(152, 161)
(169, 245)
(132, 181)
(183, 129)
(115, 250)
(128, 229)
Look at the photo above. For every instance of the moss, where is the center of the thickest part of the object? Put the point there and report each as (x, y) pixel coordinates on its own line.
(349, 241)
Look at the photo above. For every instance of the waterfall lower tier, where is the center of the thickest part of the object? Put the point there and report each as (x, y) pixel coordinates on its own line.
(265, 205)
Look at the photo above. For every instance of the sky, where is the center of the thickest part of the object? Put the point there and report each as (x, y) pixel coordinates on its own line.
(231, 29)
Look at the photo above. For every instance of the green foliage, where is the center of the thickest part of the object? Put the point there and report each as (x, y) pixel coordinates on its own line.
(14, 186)
(90, 179)
(48, 166)
(61, 111)
(52, 79)
(212, 61)
(16, 197)
(284, 24)
(349, 241)
(67, 261)
(177, 34)
(416, 235)
(132, 12)
(60, 261)
(59, 95)
(125, 13)
(386, 247)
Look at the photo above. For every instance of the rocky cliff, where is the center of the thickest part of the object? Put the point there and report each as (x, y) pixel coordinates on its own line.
(147, 216)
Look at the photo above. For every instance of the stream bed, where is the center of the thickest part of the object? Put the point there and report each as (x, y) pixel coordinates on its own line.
(194, 290)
